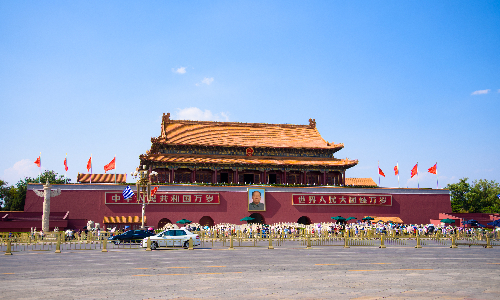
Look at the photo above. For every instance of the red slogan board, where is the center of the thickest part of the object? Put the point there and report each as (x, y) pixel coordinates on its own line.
(341, 199)
(166, 198)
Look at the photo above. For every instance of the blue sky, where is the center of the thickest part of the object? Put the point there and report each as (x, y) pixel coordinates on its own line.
(395, 81)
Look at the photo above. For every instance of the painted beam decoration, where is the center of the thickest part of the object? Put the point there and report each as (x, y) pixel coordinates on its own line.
(341, 199)
(166, 198)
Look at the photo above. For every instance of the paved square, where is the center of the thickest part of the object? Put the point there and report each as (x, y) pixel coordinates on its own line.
(287, 272)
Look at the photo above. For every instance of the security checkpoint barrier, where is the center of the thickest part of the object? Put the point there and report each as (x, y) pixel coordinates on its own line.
(58, 242)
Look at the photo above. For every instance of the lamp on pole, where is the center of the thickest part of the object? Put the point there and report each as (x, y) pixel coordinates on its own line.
(143, 186)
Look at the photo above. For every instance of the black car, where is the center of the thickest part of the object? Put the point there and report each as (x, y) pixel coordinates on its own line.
(131, 236)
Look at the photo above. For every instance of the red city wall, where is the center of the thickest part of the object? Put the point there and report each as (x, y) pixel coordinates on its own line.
(414, 207)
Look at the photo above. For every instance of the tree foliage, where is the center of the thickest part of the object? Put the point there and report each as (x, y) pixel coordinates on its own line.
(13, 197)
(479, 197)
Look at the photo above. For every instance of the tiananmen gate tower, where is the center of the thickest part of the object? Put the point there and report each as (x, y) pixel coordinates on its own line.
(221, 172)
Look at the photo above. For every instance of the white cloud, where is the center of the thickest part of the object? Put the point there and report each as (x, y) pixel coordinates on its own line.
(196, 114)
(481, 92)
(181, 70)
(21, 169)
(206, 81)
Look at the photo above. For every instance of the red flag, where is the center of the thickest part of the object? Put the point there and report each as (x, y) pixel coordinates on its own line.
(38, 162)
(380, 172)
(433, 169)
(414, 171)
(89, 164)
(153, 191)
(396, 170)
(110, 166)
(65, 164)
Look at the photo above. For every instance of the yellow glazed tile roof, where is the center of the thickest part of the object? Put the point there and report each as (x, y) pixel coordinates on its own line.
(102, 178)
(207, 133)
(250, 160)
(360, 181)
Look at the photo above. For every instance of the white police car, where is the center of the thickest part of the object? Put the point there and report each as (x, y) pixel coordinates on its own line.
(171, 238)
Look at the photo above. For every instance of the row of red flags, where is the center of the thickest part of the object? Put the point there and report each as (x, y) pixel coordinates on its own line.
(108, 167)
(414, 171)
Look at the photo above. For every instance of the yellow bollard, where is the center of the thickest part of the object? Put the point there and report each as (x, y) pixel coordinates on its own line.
(104, 245)
(488, 243)
(148, 244)
(418, 242)
(58, 243)
(190, 244)
(9, 250)
(231, 243)
(308, 242)
(270, 243)
(346, 243)
(453, 242)
(382, 242)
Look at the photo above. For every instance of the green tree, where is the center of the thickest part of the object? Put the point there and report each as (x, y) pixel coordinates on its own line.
(459, 191)
(480, 197)
(15, 196)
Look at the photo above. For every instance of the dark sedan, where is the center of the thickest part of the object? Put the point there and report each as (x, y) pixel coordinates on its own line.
(131, 236)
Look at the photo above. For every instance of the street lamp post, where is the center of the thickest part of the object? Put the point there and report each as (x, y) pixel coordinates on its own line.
(143, 185)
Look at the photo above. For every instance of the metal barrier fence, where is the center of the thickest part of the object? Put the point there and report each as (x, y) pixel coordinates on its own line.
(57, 241)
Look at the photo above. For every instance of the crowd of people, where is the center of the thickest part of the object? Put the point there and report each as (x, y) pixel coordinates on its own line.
(330, 228)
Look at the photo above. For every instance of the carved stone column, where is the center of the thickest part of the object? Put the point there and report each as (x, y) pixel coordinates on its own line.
(46, 194)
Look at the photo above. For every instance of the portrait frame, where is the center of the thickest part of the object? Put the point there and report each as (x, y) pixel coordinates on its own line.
(262, 192)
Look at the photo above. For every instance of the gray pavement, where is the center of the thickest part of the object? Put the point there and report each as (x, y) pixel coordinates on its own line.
(287, 272)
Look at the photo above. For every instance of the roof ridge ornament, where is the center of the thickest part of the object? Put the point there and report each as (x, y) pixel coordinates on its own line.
(312, 123)
(164, 120)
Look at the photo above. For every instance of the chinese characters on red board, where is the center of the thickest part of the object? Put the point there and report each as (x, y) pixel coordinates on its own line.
(166, 198)
(340, 199)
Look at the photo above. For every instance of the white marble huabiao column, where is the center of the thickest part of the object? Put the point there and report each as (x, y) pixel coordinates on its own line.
(46, 194)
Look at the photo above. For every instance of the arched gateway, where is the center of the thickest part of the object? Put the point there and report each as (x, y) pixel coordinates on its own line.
(163, 222)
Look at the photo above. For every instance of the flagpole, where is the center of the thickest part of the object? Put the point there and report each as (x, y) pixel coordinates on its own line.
(115, 168)
(90, 168)
(437, 178)
(378, 165)
(40, 177)
(66, 172)
(418, 180)
(397, 166)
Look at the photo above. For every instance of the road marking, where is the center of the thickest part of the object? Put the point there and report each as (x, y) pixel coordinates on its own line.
(216, 266)
(141, 268)
(178, 267)
(207, 273)
(142, 275)
(8, 273)
(363, 270)
(173, 274)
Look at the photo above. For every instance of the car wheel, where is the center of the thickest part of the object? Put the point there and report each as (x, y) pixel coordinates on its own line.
(186, 244)
(117, 242)
(154, 245)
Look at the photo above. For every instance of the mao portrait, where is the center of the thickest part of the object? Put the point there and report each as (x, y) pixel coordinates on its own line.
(256, 199)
